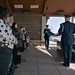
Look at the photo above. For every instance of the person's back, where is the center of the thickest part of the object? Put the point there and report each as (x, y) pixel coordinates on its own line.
(66, 29)
(67, 35)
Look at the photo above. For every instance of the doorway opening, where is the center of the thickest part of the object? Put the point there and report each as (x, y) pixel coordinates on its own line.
(54, 25)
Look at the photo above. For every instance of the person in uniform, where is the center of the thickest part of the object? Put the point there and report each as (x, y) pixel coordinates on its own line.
(66, 29)
(47, 34)
(7, 41)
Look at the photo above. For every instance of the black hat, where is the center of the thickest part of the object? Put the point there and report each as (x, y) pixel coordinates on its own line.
(66, 15)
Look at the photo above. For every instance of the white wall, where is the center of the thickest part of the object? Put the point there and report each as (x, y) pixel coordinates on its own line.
(73, 19)
(43, 27)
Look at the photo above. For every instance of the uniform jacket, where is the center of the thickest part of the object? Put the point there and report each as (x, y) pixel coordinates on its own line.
(47, 33)
(67, 28)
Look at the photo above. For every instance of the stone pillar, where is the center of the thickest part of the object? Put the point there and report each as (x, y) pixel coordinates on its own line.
(43, 27)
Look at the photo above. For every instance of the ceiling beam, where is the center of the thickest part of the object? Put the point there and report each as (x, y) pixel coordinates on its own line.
(44, 7)
(2, 3)
(8, 6)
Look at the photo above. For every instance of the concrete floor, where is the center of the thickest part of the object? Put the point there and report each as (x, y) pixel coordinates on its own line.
(40, 61)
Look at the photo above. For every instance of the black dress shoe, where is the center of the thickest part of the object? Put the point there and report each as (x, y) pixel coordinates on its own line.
(64, 64)
(10, 73)
(67, 65)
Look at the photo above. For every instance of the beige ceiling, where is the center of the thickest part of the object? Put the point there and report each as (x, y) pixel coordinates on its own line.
(52, 6)
(46, 7)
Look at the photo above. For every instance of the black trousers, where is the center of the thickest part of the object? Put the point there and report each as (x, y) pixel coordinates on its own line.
(15, 51)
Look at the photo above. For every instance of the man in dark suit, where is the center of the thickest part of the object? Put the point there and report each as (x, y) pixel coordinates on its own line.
(47, 33)
(66, 29)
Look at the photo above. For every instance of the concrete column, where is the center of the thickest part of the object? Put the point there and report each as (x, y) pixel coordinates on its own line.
(73, 19)
(43, 27)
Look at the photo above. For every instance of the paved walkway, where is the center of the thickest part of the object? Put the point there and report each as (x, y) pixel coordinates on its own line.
(40, 61)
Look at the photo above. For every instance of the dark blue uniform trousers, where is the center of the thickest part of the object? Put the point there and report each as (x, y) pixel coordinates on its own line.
(67, 53)
(47, 43)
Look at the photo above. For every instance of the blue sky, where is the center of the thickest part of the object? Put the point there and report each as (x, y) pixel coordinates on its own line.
(54, 23)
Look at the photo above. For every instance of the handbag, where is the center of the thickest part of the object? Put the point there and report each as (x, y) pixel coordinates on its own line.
(19, 59)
